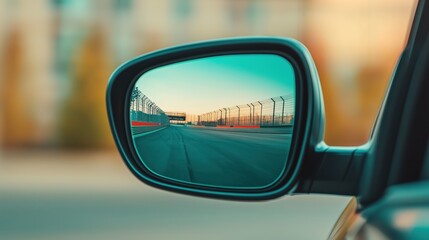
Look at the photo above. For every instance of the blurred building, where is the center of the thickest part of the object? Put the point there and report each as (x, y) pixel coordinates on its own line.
(56, 56)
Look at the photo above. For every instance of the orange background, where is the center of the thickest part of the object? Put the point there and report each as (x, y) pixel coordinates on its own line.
(56, 57)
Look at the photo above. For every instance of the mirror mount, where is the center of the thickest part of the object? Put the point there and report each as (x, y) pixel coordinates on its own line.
(308, 130)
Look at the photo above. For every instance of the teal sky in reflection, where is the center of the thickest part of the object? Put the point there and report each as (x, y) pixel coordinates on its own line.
(206, 84)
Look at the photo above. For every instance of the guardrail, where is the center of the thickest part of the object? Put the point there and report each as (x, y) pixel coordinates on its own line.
(273, 112)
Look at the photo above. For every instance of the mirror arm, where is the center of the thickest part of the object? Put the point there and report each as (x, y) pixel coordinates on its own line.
(333, 170)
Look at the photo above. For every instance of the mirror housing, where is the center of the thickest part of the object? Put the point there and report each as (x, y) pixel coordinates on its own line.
(309, 114)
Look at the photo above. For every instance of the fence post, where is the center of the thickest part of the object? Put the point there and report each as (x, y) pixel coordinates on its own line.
(229, 116)
(156, 113)
(136, 100)
(274, 110)
(143, 98)
(253, 114)
(238, 121)
(283, 109)
(260, 117)
(137, 103)
(150, 111)
(250, 114)
(144, 103)
(133, 105)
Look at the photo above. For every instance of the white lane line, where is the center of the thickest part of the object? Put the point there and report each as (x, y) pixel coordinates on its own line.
(147, 133)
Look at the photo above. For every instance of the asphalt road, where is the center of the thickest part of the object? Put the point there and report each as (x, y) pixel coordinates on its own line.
(92, 195)
(223, 158)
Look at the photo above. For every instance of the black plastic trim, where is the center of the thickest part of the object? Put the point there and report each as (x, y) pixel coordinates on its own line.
(308, 130)
(333, 170)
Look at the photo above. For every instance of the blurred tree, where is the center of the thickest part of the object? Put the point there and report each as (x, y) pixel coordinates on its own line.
(18, 128)
(83, 121)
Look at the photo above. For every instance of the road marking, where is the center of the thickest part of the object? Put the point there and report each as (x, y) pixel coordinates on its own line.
(147, 133)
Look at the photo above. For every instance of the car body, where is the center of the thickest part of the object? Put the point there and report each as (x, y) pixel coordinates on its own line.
(387, 175)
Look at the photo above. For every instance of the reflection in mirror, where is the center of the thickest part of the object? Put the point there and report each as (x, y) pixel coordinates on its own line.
(223, 121)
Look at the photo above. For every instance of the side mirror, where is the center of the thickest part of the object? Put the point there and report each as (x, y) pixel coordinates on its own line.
(227, 119)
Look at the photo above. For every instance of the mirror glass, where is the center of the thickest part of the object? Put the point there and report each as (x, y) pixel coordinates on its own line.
(223, 121)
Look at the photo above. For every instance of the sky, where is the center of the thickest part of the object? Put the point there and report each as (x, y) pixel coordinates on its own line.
(207, 84)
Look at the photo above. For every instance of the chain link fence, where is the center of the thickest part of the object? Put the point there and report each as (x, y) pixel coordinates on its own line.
(274, 112)
(145, 111)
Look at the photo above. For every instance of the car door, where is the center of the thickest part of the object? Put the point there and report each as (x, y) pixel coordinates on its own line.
(365, 171)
